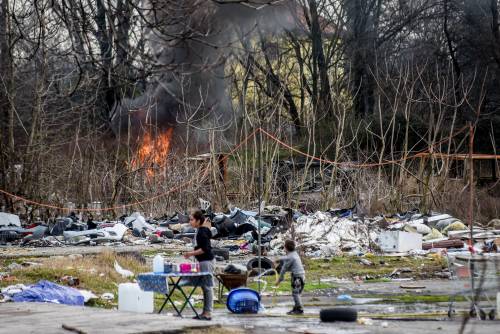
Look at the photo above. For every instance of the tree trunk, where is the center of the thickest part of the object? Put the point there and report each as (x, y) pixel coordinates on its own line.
(361, 51)
(105, 46)
(324, 99)
(6, 112)
(123, 12)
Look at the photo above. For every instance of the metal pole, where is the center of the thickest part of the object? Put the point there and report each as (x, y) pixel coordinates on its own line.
(260, 189)
(471, 214)
(471, 184)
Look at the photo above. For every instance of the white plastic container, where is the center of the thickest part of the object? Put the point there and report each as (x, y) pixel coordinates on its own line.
(132, 299)
(498, 305)
(158, 264)
(398, 241)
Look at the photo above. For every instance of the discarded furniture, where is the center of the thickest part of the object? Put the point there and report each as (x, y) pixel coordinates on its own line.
(168, 283)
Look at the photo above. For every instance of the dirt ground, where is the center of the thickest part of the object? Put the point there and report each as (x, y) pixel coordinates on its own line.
(50, 318)
(413, 301)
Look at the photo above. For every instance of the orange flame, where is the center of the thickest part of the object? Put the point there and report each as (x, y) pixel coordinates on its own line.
(153, 152)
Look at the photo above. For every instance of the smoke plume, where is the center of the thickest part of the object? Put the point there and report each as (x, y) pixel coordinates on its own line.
(192, 42)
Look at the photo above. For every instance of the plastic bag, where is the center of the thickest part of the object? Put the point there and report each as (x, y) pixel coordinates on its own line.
(435, 234)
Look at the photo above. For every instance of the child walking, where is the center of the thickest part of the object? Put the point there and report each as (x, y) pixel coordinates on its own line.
(293, 264)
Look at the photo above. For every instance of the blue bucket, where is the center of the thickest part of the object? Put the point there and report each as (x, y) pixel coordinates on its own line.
(243, 300)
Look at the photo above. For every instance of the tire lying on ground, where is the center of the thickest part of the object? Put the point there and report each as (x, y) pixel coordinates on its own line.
(338, 314)
(265, 264)
(222, 252)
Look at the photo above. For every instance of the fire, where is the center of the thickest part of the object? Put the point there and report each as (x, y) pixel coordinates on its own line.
(153, 151)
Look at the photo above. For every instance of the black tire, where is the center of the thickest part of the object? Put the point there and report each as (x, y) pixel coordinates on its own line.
(492, 314)
(265, 264)
(222, 252)
(338, 314)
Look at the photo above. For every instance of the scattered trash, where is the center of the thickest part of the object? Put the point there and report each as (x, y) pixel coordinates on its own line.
(412, 287)
(30, 264)
(6, 277)
(365, 321)
(70, 280)
(366, 262)
(123, 272)
(11, 290)
(456, 243)
(265, 264)
(456, 226)
(324, 235)
(344, 298)
(235, 269)
(320, 234)
(87, 295)
(48, 292)
(222, 252)
(108, 296)
(433, 235)
(7, 219)
(14, 266)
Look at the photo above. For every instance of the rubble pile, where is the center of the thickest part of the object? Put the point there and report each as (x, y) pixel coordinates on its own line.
(318, 234)
(323, 234)
(233, 232)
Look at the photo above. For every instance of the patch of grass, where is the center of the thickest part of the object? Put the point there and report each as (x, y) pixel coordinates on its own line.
(95, 272)
(350, 266)
(153, 252)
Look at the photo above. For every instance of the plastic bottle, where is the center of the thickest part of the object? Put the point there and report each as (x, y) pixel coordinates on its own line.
(158, 264)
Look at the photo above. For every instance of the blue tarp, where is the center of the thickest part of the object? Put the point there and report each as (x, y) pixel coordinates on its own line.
(48, 292)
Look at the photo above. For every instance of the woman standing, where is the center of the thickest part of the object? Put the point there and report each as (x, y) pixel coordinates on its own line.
(203, 254)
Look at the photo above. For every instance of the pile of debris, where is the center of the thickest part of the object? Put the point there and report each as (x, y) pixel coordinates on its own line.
(319, 234)
(335, 232)
(235, 231)
(325, 234)
(444, 231)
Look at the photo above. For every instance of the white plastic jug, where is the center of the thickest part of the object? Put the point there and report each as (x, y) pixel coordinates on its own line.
(498, 305)
(158, 264)
(132, 299)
